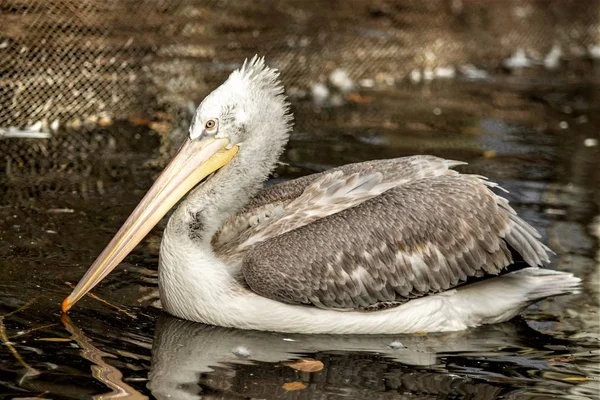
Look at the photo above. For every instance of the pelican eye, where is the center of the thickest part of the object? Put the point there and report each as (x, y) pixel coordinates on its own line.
(211, 127)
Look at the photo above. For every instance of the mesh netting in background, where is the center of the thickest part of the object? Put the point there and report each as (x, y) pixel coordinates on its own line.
(99, 74)
(66, 61)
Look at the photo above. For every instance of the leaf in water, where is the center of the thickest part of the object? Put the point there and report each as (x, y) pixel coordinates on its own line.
(576, 379)
(291, 386)
(137, 120)
(357, 98)
(54, 339)
(420, 334)
(307, 365)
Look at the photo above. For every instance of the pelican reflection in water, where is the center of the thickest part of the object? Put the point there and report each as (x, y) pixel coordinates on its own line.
(425, 367)
(385, 246)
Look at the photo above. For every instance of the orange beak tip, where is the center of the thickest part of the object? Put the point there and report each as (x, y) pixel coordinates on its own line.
(66, 305)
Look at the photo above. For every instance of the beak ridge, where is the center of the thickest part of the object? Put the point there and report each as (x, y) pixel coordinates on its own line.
(195, 160)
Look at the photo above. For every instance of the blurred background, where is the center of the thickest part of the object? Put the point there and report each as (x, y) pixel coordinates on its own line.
(69, 68)
(90, 61)
(95, 96)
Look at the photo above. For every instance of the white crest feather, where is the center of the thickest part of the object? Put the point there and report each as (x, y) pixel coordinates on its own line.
(256, 73)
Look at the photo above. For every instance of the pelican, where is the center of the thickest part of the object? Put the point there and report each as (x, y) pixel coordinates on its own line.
(379, 247)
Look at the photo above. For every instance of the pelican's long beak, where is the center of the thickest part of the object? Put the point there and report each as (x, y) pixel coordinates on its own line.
(194, 161)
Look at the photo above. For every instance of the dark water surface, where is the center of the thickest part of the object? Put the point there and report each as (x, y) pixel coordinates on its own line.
(59, 208)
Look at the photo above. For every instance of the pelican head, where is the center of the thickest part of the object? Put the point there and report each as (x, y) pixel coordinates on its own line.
(239, 129)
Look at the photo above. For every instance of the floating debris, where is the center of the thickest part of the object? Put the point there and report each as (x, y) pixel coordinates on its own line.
(335, 91)
(470, 71)
(517, 61)
(138, 120)
(30, 371)
(357, 98)
(319, 92)
(428, 74)
(367, 83)
(241, 352)
(576, 379)
(292, 386)
(50, 365)
(340, 80)
(60, 210)
(306, 365)
(105, 121)
(396, 345)
(594, 51)
(554, 211)
(296, 93)
(552, 59)
(489, 154)
(106, 302)
(31, 132)
(415, 76)
(590, 142)
(563, 125)
(445, 72)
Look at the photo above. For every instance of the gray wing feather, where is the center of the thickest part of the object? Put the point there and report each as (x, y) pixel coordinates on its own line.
(292, 204)
(396, 168)
(420, 237)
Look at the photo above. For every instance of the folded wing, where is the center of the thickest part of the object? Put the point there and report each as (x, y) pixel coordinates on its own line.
(293, 204)
(389, 237)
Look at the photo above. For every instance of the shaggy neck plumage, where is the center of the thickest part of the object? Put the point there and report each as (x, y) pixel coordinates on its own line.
(254, 114)
(205, 209)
